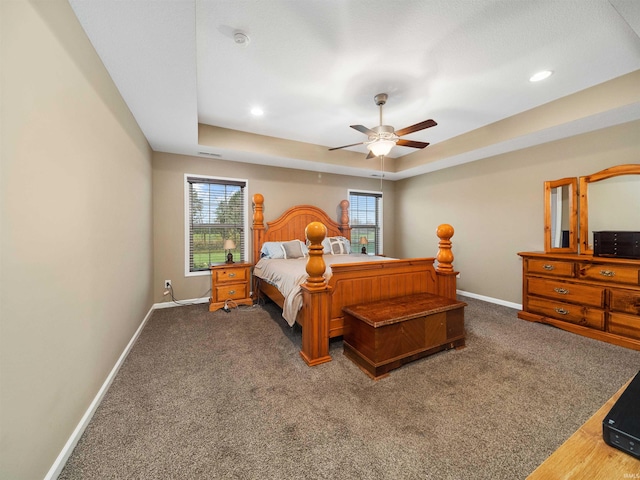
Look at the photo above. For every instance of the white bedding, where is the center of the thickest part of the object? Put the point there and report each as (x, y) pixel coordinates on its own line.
(288, 274)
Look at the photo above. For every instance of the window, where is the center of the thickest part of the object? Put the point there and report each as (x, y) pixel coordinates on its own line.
(366, 220)
(215, 210)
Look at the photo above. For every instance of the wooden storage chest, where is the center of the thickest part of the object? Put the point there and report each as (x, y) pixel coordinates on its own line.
(383, 335)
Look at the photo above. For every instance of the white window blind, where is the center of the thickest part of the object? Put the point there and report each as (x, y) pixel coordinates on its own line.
(365, 217)
(216, 210)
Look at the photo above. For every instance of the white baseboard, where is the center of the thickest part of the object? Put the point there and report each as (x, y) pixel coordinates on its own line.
(60, 462)
(497, 301)
(181, 303)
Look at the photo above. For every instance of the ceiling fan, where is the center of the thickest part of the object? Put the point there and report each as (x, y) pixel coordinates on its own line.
(383, 137)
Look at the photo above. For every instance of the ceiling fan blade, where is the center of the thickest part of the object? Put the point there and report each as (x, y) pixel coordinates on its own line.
(345, 146)
(363, 129)
(416, 127)
(371, 155)
(411, 143)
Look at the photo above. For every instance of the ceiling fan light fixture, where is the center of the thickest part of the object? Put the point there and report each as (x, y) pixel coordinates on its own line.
(381, 147)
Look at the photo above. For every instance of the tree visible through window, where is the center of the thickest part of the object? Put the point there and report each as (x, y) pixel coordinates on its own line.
(366, 220)
(216, 212)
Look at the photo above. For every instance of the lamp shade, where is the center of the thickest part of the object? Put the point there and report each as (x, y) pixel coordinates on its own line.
(229, 244)
(381, 147)
(364, 241)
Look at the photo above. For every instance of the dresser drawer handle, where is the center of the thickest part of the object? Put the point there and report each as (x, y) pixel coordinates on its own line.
(561, 291)
(607, 273)
(548, 267)
(231, 275)
(231, 292)
(562, 311)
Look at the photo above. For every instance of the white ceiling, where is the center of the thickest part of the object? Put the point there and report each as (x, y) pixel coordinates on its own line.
(314, 67)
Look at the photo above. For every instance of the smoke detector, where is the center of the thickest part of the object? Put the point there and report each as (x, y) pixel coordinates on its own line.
(241, 38)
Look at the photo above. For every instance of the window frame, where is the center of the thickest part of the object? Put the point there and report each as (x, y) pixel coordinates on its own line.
(187, 209)
(380, 226)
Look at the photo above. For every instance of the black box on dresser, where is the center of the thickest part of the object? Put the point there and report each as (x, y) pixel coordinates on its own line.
(616, 244)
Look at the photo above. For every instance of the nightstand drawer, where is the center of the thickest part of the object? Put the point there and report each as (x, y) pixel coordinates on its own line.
(231, 274)
(231, 291)
(550, 267)
(585, 316)
(567, 292)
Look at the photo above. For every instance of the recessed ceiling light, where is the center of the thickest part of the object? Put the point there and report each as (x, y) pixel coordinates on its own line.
(540, 75)
(257, 112)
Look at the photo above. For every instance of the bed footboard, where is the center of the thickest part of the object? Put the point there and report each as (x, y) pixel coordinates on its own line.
(321, 316)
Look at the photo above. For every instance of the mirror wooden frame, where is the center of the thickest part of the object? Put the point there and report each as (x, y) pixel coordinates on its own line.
(631, 169)
(572, 183)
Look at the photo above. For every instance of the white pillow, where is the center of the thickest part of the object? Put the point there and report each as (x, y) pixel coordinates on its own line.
(294, 249)
(272, 250)
(339, 246)
(326, 244)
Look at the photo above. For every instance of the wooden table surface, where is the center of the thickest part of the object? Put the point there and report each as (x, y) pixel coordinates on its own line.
(585, 455)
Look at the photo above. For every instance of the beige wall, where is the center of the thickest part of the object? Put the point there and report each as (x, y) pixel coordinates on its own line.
(76, 258)
(496, 205)
(281, 187)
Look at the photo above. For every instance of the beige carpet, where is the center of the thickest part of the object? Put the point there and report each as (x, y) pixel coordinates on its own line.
(226, 395)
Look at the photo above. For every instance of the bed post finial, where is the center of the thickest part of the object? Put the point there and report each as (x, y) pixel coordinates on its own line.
(445, 273)
(258, 206)
(258, 224)
(316, 232)
(344, 209)
(445, 256)
(344, 218)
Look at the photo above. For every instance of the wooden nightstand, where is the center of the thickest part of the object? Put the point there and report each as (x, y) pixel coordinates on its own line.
(230, 281)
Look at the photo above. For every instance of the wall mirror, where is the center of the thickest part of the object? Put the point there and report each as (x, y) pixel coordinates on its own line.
(561, 216)
(609, 200)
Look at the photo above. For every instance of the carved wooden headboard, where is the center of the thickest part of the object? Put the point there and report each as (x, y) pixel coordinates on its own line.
(293, 222)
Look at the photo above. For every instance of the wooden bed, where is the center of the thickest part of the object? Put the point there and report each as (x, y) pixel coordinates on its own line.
(321, 316)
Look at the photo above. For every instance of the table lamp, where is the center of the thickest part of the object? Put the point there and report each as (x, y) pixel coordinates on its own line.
(228, 246)
(364, 242)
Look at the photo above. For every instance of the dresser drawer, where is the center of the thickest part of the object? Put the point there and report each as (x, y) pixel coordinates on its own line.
(550, 267)
(567, 292)
(626, 325)
(231, 291)
(610, 273)
(231, 274)
(585, 316)
(626, 301)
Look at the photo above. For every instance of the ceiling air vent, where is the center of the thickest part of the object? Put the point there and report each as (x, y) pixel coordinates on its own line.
(209, 154)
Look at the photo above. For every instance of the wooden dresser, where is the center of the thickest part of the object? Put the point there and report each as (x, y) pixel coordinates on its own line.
(596, 297)
(230, 282)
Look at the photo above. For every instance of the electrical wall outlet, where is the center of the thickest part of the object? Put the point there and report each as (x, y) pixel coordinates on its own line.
(167, 284)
